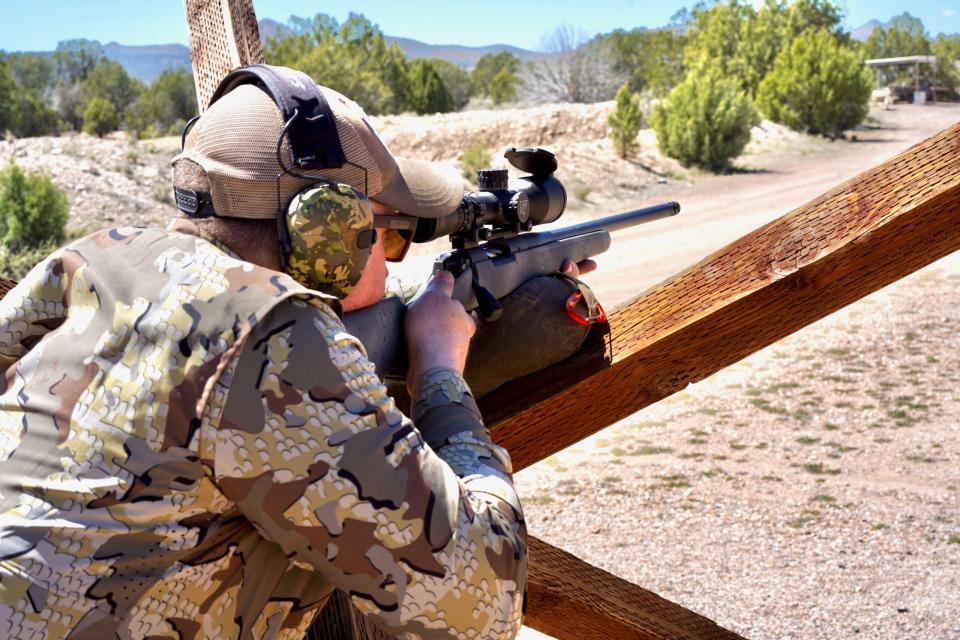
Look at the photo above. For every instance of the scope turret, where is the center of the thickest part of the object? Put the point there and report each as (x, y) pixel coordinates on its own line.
(501, 207)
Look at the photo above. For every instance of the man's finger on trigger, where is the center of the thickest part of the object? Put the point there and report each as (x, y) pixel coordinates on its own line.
(586, 266)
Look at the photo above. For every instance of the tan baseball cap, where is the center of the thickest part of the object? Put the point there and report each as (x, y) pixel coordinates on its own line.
(235, 142)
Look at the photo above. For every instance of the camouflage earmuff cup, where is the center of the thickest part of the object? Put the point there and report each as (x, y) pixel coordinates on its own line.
(330, 231)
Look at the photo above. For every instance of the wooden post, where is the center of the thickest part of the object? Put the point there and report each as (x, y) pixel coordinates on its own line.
(570, 599)
(870, 231)
(223, 36)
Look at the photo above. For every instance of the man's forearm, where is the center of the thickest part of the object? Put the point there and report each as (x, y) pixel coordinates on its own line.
(446, 414)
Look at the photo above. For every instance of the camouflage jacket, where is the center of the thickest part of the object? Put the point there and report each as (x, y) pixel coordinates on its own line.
(193, 447)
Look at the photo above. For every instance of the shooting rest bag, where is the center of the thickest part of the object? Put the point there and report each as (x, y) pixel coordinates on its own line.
(533, 333)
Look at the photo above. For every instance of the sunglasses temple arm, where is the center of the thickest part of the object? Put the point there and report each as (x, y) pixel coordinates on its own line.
(401, 222)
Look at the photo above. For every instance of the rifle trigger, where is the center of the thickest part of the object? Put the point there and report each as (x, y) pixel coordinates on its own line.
(487, 304)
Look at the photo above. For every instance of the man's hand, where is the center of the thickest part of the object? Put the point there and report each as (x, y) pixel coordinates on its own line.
(438, 329)
(577, 269)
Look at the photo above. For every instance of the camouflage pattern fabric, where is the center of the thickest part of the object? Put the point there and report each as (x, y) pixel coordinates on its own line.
(193, 447)
(323, 223)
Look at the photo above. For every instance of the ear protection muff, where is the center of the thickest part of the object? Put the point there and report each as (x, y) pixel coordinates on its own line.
(331, 234)
(326, 231)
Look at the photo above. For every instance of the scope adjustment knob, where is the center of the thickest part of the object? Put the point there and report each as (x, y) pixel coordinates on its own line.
(492, 179)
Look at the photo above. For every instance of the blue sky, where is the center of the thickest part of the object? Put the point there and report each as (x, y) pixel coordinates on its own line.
(39, 24)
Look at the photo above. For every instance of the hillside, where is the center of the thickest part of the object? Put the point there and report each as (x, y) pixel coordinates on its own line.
(119, 181)
(145, 62)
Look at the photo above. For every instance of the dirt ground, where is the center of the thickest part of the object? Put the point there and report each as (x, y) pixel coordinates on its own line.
(810, 491)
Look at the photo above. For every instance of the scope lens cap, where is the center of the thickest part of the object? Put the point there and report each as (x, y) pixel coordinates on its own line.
(534, 160)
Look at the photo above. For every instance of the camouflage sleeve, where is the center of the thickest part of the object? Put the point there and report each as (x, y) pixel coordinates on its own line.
(32, 316)
(307, 443)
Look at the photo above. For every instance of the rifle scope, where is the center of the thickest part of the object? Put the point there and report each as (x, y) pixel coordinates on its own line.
(501, 207)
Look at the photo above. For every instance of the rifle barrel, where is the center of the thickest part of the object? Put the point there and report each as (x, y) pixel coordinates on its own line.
(615, 222)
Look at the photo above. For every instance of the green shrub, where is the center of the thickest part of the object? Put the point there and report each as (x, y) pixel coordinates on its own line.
(473, 158)
(33, 211)
(816, 85)
(16, 265)
(8, 99)
(37, 117)
(625, 121)
(100, 117)
(457, 81)
(428, 93)
(705, 120)
(503, 87)
(163, 106)
(491, 65)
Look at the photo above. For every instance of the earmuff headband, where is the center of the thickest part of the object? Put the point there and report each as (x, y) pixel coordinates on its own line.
(314, 141)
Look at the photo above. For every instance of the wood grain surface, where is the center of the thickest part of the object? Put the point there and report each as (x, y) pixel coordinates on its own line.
(568, 598)
(870, 231)
(223, 36)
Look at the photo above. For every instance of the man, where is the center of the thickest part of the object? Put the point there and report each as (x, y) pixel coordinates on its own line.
(194, 447)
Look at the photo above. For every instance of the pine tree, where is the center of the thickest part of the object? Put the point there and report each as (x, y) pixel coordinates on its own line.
(705, 121)
(625, 122)
(817, 85)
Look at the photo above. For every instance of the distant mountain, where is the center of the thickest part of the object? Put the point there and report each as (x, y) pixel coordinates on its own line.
(147, 61)
(863, 32)
(458, 54)
(270, 28)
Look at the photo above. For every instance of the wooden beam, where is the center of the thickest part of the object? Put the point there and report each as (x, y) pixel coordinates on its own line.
(870, 231)
(568, 598)
(223, 36)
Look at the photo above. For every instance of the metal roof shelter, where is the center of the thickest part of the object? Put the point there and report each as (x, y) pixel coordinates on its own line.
(902, 61)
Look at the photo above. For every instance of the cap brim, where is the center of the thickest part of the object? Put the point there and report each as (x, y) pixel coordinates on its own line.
(425, 189)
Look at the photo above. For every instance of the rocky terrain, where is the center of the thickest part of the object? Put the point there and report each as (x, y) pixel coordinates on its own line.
(116, 180)
(108, 181)
(812, 490)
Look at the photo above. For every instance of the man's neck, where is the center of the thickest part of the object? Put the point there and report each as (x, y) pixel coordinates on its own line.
(256, 255)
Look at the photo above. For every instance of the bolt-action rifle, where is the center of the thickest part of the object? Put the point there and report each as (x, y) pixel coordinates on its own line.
(494, 249)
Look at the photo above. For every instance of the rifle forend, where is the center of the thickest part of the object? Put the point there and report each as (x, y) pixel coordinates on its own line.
(489, 271)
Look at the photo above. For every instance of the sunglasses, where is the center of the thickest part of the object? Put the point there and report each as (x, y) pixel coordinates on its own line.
(397, 232)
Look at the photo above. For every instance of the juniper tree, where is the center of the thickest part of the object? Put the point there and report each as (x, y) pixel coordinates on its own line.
(625, 121)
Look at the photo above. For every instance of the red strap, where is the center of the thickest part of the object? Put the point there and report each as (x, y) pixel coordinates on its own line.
(572, 301)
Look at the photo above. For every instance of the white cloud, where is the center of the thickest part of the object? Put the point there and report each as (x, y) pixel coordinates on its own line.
(948, 13)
